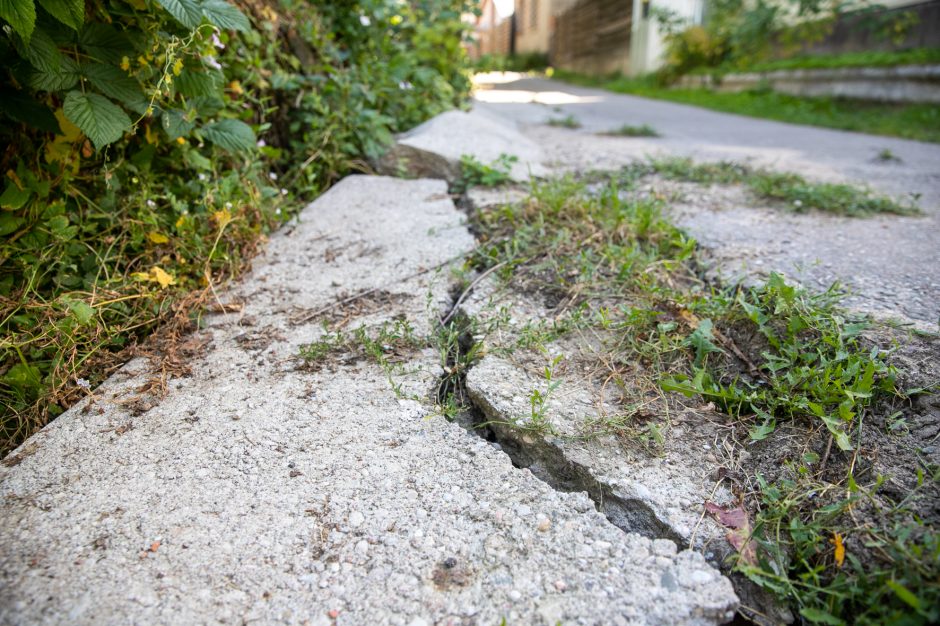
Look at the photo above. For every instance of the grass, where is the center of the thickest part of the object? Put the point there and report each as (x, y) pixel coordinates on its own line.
(909, 121)
(568, 121)
(870, 58)
(765, 355)
(791, 190)
(628, 130)
(475, 173)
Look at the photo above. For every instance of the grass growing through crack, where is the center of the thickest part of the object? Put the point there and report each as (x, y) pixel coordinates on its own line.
(629, 130)
(474, 172)
(568, 121)
(791, 190)
(835, 547)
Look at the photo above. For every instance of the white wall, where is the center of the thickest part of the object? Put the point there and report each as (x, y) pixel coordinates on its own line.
(646, 45)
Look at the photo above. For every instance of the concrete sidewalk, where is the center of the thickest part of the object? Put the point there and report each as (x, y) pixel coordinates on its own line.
(261, 491)
(888, 263)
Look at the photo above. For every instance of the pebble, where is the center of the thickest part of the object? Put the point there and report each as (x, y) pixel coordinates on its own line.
(544, 523)
(356, 519)
(560, 585)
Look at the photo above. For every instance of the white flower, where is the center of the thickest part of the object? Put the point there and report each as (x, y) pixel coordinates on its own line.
(202, 176)
(151, 203)
(277, 211)
(217, 42)
(262, 143)
(228, 205)
(83, 383)
(405, 85)
(797, 203)
(283, 192)
(364, 20)
(272, 175)
(211, 62)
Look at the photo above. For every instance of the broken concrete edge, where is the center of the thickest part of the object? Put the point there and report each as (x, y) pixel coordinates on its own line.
(253, 476)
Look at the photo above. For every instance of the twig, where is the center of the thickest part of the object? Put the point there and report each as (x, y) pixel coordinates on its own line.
(467, 291)
(702, 516)
(362, 294)
(822, 464)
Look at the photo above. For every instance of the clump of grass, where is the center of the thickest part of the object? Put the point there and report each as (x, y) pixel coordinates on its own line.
(791, 190)
(629, 130)
(475, 173)
(885, 155)
(568, 121)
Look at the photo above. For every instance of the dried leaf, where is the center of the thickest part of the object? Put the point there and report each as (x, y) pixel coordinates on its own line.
(739, 535)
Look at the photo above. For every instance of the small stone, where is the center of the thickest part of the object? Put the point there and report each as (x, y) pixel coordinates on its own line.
(560, 585)
(356, 519)
(544, 523)
(515, 595)
(362, 547)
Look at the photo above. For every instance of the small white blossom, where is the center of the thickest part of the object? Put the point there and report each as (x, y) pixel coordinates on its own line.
(262, 143)
(272, 175)
(364, 20)
(405, 85)
(217, 42)
(211, 62)
(228, 205)
(202, 176)
(83, 383)
(797, 203)
(151, 203)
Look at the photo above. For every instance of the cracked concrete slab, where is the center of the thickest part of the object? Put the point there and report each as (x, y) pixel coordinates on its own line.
(434, 148)
(259, 490)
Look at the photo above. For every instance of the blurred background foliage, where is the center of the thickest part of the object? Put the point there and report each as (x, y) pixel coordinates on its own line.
(150, 145)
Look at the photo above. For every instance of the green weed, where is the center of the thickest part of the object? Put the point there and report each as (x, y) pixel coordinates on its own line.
(475, 173)
(791, 190)
(568, 121)
(628, 130)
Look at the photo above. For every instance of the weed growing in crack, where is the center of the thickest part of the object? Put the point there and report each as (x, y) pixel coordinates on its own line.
(629, 130)
(807, 362)
(791, 190)
(568, 121)
(474, 173)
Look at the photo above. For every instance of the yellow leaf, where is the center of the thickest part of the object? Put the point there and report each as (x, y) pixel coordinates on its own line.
(178, 67)
(236, 87)
(125, 63)
(156, 275)
(142, 61)
(149, 137)
(181, 221)
(162, 277)
(840, 548)
(156, 237)
(222, 217)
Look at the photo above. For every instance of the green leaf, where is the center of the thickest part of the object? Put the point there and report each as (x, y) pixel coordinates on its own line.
(22, 376)
(13, 197)
(701, 340)
(230, 134)
(22, 108)
(905, 594)
(817, 616)
(42, 53)
(82, 311)
(199, 81)
(104, 43)
(115, 83)
(187, 12)
(101, 120)
(224, 15)
(178, 123)
(58, 79)
(20, 15)
(9, 223)
(69, 12)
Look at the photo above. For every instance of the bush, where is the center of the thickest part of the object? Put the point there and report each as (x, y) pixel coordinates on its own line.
(150, 145)
(523, 62)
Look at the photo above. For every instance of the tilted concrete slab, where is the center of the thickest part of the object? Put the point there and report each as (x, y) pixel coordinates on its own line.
(259, 491)
(434, 148)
